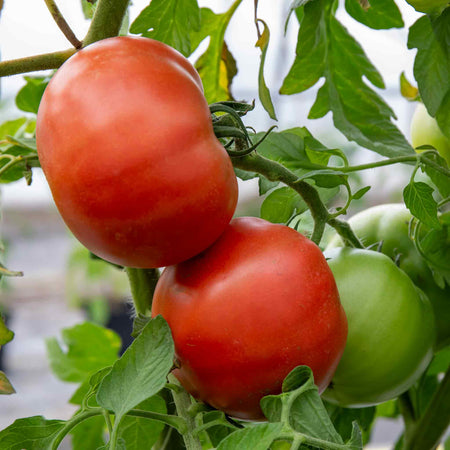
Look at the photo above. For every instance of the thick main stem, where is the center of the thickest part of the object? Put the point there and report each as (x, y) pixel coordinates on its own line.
(107, 20)
(182, 403)
(143, 284)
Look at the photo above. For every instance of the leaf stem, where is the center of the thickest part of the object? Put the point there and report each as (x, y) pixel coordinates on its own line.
(15, 160)
(274, 171)
(44, 61)
(62, 24)
(73, 422)
(143, 284)
(183, 402)
(429, 429)
(107, 20)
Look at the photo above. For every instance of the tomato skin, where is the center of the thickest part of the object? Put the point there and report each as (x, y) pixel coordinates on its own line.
(389, 224)
(125, 139)
(425, 131)
(257, 303)
(391, 329)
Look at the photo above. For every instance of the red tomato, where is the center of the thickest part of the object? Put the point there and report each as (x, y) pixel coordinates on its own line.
(257, 303)
(125, 139)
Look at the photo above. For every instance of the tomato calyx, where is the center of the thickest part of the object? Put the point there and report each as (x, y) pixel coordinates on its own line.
(231, 130)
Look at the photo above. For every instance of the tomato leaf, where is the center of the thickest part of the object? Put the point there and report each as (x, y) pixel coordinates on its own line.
(407, 90)
(264, 93)
(30, 433)
(258, 437)
(343, 419)
(381, 14)
(6, 387)
(89, 387)
(140, 432)
(5, 334)
(432, 65)
(215, 64)
(306, 411)
(419, 200)
(89, 349)
(441, 181)
(89, 434)
(30, 95)
(326, 49)
(281, 204)
(141, 371)
(440, 362)
(360, 193)
(169, 21)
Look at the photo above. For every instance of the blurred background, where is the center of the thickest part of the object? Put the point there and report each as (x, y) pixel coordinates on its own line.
(61, 286)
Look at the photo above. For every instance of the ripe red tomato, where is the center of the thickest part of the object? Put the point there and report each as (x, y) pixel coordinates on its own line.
(243, 313)
(125, 139)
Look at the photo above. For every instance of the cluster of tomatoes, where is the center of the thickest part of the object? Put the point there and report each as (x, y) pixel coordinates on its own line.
(125, 140)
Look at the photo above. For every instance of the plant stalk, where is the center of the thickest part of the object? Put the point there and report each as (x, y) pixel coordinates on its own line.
(429, 429)
(182, 403)
(44, 61)
(143, 283)
(107, 20)
(274, 171)
(62, 24)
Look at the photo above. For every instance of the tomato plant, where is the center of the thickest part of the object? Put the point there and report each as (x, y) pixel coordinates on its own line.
(391, 329)
(248, 310)
(425, 131)
(114, 154)
(141, 139)
(388, 225)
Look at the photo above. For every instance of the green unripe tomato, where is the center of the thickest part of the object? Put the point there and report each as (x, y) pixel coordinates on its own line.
(391, 329)
(425, 131)
(388, 224)
(428, 6)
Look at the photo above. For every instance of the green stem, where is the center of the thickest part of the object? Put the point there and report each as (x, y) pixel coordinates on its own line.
(15, 160)
(143, 284)
(62, 24)
(407, 411)
(112, 444)
(182, 403)
(274, 171)
(107, 20)
(72, 423)
(430, 428)
(174, 421)
(45, 61)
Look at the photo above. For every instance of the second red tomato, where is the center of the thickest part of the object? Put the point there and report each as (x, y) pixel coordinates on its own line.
(257, 303)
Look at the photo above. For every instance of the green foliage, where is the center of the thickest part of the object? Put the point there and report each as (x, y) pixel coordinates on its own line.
(216, 66)
(89, 349)
(380, 14)
(431, 35)
(127, 401)
(6, 335)
(326, 49)
(31, 433)
(169, 21)
(264, 93)
(30, 95)
(141, 372)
